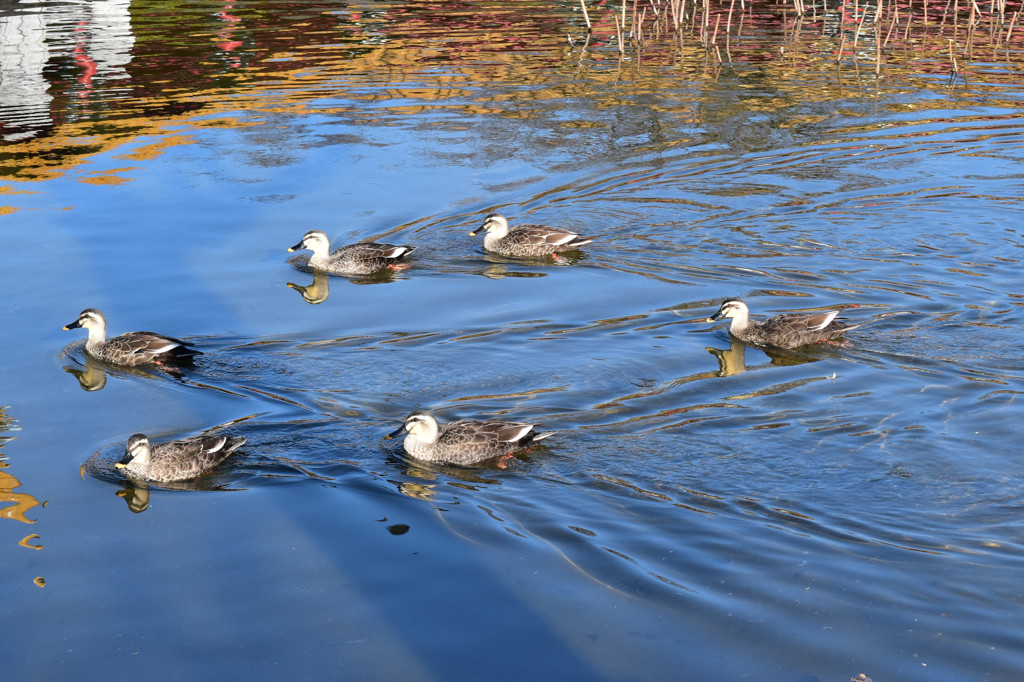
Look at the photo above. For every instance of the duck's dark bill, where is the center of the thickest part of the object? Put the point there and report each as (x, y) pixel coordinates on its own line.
(397, 432)
(73, 325)
(295, 248)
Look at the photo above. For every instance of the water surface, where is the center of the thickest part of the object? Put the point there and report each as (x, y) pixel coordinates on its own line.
(706, 510)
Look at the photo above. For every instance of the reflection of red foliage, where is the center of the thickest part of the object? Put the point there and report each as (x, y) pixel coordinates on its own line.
(83, 60)
(183, 53)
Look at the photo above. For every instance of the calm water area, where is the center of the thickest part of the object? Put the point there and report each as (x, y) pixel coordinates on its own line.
(705, 511)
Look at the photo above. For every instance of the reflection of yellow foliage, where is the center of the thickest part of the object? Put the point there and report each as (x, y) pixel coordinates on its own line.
(152, 151)
(27, 539)
(22, 502)
(6, 210)
(108, 177)
(319, 66)
(40, 581)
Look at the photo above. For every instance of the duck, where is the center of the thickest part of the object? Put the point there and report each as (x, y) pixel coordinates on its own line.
(176, 460)
(464, 442)
(787, 331)
(133, 348)
(526, 241)
(364, 258)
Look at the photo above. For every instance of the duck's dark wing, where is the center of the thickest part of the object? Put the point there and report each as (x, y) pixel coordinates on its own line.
(799, 329)
(542, 235)
(191, 457)
(151, 346)
(374, 251)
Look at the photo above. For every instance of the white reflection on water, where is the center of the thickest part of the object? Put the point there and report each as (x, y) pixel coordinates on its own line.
(96, 36)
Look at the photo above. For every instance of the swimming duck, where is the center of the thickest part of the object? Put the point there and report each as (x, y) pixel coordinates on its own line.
(463, 442)
(133, 348)
(526, 241)
(176, 460)
(364, 258)
(790, 330)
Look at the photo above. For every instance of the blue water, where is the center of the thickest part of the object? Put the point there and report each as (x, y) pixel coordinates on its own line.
(705, 510)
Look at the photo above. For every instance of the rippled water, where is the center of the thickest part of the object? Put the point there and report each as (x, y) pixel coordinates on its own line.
(705, 511)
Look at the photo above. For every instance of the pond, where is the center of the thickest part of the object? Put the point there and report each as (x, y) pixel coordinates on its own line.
(705, 509)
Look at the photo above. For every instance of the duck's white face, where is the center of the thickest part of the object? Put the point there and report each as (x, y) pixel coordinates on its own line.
(136, 450)
(494, 224)
(732, 307)
(314, 240)
(420, 425)
(89, 318)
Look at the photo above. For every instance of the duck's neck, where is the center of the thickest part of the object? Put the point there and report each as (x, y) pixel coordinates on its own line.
(97, 335)
(320, 255)
(143, 456)
(427, 433)
(492, 238)
(739, 324)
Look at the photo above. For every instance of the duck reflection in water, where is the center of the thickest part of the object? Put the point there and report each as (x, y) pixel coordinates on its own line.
(136, 497)
(424, 478)
(499, 269)
(92, 376)
(315, 292)
(732, 360)
(319, 289)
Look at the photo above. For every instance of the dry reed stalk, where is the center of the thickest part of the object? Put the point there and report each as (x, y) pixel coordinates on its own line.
(1009, 31)
(857, 19)
(728, 27)
(969, 45)
(714, 37)
(618, 35)
(706, 20)
(586, 16)
(895, 18)
(953, 68)
(878, 53)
